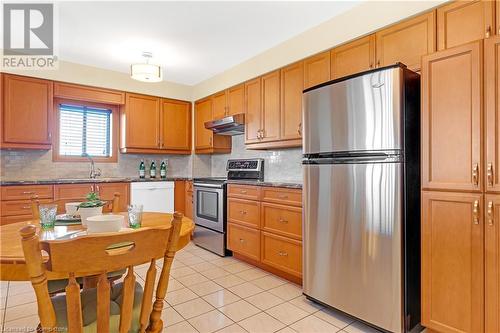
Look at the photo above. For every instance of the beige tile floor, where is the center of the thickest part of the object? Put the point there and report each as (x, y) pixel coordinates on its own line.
(209, 294)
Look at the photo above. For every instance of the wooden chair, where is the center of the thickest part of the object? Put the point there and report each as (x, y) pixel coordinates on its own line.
(123, 308)
(110, 206)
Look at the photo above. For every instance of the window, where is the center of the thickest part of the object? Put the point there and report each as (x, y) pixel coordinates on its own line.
(85, 129)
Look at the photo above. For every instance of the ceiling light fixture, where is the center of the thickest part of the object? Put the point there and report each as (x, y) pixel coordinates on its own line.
(146, 72)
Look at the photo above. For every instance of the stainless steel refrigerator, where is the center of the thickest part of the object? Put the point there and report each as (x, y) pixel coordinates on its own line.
(361, 195)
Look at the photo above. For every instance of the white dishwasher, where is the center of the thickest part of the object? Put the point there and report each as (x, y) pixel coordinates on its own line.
(155, 196)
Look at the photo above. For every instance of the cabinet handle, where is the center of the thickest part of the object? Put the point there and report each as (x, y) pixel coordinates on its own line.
(475, 212)
(242, 212)
(371, 65)
(243, 192)
(475, 174)
(97, 188)
(26, 207)
(242, 240)
(282, 221)
(28, 192)
(282, 196)
(378, 63)
(299, 130)
(49, 135)
(91, 188)
(488, 32)
(282, 254)
(490, 213)
(489, 174)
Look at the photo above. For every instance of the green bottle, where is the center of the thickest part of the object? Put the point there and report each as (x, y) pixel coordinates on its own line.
(152, 170)
(163, 170)
(142, 169)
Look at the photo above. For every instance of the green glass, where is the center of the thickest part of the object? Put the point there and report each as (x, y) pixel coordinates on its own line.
(48, 213)
(134, 216)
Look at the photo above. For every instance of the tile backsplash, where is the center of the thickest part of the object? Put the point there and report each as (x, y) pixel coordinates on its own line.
(284, 165)
(38, 164)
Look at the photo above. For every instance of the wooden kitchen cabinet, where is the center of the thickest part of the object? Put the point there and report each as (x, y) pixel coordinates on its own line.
(282, 253)
(219, 105)
(206, 142)
(282, 220)
(64, 193)
(189, 199)
(253, 110)
(270, 129)
(89, 94)
(244, 240)
(451, 119)
(236, 100)
(492, 112)
(175, 126)
(353, 57)
(140, 122)
(244, 212)
(492, 263)
(407, 42)
(26, 112)
(497, 16)
(107, 191)
(462, 22)
(26, 192)
(292, 85)
(452, 262)
(15, 201)
(317, 69)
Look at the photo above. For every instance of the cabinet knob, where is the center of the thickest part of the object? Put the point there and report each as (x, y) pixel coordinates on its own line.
(475, 212)
(242, 240)
(475, 174)
(378, 63)
(490, 213)
(243, 192)
(489, 174)
(282, 221)
(299, 130)
(26, 207)
(282, 254)
(242, 212)
(488, 32)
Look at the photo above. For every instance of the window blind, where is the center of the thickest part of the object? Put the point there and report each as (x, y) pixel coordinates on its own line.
(84, 130)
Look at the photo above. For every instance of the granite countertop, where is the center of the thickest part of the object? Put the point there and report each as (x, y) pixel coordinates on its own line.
(88, 180)
(264, 183)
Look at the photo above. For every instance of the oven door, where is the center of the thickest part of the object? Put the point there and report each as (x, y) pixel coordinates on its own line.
(209, 207)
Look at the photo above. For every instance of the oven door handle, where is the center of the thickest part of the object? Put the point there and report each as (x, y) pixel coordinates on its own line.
(206, 185)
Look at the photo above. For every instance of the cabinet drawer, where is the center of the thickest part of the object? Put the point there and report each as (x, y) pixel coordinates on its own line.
(26, 192)
(13, 219)
(244, 212)
(282, 253)
(244, 240)
(72, 191)
(20, 207)
(283, 220)
(243, 192)
(283, 196)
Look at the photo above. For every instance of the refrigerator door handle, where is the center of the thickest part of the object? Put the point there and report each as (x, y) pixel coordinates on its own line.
(381, 158)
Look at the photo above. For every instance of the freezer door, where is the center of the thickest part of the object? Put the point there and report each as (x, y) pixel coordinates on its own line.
(361, 113)
(352, 240)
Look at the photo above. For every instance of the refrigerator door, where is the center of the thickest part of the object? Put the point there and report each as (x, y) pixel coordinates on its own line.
(361, 113)
(352, 239)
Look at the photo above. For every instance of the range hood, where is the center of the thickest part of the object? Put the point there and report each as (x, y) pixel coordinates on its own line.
(232, 125)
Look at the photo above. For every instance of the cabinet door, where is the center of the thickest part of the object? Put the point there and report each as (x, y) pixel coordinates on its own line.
(142, 121)
(253, 110)
(462, 22)
(27, 111)
(492, 112)
(219, 105)
(175, 125)
(317, 69)
(451, 118)
(203, 113)
(292, 85)
(107, 191)
(271, 106)
(354, 57)
(452, 262)
(236, 100)
(492, 264)
(71, 193)
(407, 42)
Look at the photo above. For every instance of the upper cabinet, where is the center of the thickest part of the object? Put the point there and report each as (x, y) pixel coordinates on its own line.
(206, 142)
(270, 129)
(492, 112)
(88, 94)
(353, 57)
(228, 102)
(407, 42)
(253, 110)
(451, 118)
(154, 125)
(461, 22)
(26, 112)
(292, 85)
(175, 133)
(317, 69)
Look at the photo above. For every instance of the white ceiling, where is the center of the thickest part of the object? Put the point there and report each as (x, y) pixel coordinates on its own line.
(193, 41)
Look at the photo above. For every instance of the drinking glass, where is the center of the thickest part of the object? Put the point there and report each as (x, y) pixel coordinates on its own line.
(134, 216)
(48, 214)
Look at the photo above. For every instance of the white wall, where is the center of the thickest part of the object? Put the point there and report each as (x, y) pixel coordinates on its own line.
(361, 20)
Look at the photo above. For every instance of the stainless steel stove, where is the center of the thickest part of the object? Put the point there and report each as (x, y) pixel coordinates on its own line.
(210, 197)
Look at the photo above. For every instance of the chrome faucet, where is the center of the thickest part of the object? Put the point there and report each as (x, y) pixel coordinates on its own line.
(94, 172)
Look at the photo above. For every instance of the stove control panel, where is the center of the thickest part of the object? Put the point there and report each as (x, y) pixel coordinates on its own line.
(246, 169)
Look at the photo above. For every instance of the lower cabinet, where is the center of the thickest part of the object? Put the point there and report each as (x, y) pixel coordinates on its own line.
(189, 200)
(107, 192)
(453, 262)
(15, 203)
(267, 232)
(492, 263)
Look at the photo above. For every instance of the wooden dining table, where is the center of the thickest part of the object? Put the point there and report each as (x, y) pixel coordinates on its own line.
(13, 264)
